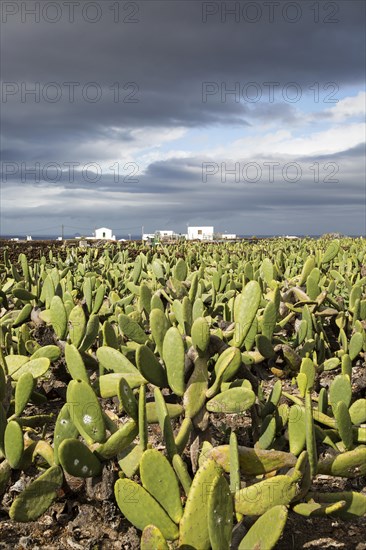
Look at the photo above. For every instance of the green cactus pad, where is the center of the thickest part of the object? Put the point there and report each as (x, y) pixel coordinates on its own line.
(165, 424)
(310, 434)
(355, 503)
(296, 429)
(23, 294)
(174, 410)
(58, 317)
(78, 460)
(256, 499)
(234, 400)
(180, 270)
(129, 459)
(142, 418)
(344, 424)
(180, 468)
(13, 444)
(109, 335)
(150, 367)
(14, 362)
(85, 411)
(266, 531)
(91, 333)
(340, 390)
(253, 462)
(127, 399)
(356, 345)
(220, 515)
(141, 509)
(349, 464)
(183, 435)
(306, 270)
(75, 364)
(312, 508)
(173, 355)
(64, 429)
(37, 497)
(5, 475)
(331, 251)
(98, 298)
(269, 320)
(234, 463)
(159, 325)
(357, 411)
(23, 391)
(131, 329)
(23, 315)
(194, 531)
(77, 325)
(245, 309)
(118, 441)
(195, 395)
(200, 333)
(226, 367)
(159, 479)
(109, 383)
(268, 432)
(273, 399)
(51, 352)
(152, 538)
(112, 360)
(307, 367)
(37, 367)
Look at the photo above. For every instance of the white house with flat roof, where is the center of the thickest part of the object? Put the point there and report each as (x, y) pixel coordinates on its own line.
(202, 233)
(103, 233)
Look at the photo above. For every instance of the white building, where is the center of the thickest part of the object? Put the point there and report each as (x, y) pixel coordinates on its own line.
(164, 233)
(103, 233)
(204, 233)
(148, 236)
(228, 236)
(160, 234)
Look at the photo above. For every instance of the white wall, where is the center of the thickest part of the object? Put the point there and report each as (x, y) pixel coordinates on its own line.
(147, 236)
(228, 236)
(104, 233)
(165, 233)
(202, 233)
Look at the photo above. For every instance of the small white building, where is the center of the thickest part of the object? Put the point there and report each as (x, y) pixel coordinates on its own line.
(228, 236)
(103, 233)
(161, 234)
(148, 236)
(164, 233)
(204, 233)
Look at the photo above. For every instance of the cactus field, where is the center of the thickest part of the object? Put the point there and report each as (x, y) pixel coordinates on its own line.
(194, 396)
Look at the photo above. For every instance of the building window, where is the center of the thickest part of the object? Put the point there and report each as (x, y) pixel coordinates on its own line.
(200, 232)
(103, 234)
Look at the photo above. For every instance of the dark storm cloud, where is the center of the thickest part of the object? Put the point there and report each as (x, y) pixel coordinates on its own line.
(170, 54)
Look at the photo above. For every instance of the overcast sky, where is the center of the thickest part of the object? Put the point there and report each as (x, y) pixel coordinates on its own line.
(249, 116)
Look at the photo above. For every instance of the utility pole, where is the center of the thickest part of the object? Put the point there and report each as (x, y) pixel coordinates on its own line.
(62, 231)
(142, 233)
